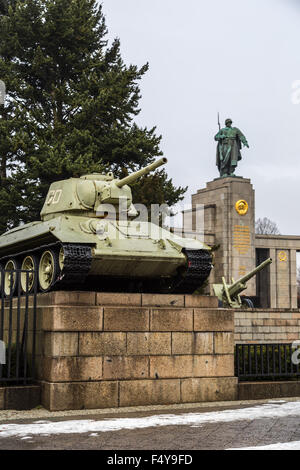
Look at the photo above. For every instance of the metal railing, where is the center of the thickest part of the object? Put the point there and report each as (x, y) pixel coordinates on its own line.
(18, 327)
(266, 361)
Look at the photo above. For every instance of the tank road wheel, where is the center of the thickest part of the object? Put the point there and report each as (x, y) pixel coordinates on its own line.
(48, 270)
(10, 277)
(30, 263)
(61, 259)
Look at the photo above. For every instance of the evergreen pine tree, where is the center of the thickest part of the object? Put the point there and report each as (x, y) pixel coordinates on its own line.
(70, 108)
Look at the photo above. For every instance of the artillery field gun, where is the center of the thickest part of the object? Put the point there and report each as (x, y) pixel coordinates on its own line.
(229, 295)
(88, 238)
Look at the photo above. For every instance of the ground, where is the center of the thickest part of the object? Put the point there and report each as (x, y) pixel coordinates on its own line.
(210, 426)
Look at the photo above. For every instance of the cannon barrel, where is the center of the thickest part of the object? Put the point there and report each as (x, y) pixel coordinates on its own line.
(255, 271)
(134, 176)
(239, 285)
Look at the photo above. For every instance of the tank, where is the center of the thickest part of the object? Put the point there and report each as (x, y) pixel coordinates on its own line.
(91, 236)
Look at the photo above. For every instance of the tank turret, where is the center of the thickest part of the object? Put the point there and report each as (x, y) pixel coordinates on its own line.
(94, 194)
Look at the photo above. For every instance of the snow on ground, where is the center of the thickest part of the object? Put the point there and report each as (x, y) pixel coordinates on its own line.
(295, 445)
(268, 410)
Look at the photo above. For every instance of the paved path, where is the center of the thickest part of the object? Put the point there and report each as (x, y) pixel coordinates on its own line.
(237, 425)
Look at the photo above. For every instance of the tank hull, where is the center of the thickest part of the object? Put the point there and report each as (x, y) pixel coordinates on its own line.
(114, 249)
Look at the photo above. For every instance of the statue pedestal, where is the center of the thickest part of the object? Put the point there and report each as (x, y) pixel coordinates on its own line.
(233, 223)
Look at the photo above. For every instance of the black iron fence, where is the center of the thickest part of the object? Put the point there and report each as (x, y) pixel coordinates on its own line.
(267, 361)
(17, 327)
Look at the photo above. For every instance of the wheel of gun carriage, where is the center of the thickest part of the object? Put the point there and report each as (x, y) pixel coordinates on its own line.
(247, 303)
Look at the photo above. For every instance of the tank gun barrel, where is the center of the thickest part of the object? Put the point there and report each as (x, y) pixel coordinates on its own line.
(144, 171)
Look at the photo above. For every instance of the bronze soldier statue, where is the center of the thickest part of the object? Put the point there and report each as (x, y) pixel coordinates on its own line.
(230, 141)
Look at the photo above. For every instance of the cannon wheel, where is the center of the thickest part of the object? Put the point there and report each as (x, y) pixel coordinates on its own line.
(247, 303)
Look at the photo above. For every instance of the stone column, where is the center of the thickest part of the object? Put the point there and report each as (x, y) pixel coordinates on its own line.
(234, 228)
(273, 279)
(293, 278)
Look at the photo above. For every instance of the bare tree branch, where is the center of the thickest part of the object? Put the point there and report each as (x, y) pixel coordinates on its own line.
(266, 226)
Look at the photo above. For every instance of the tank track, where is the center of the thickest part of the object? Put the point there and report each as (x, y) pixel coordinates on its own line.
(198, 270)
(77, 262)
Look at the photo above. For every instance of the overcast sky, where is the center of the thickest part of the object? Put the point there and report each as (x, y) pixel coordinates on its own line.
(236, 57)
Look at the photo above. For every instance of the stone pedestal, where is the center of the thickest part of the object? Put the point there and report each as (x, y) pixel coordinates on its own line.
(103, 350)
(234, 228)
